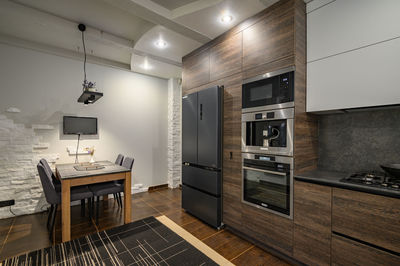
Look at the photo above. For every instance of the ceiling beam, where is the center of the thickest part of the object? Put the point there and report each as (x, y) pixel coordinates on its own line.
(158, 15)
(193, 7)
(49, 49)
(96, 35)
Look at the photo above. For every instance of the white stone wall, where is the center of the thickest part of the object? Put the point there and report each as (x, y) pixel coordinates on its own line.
(174, 133)
(19, 179)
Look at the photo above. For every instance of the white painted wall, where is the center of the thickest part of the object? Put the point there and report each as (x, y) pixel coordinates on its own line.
(132, 115)
(353, 53)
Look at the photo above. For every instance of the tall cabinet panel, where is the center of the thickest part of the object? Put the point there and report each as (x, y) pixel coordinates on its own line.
(189, 128)
(209, 136)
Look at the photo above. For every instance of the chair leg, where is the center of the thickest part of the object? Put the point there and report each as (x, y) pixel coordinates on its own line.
(97, 209)
(52, 221)
(120, 199)
(50, 214)
(116, 198)
(90, 208)
(83, 208)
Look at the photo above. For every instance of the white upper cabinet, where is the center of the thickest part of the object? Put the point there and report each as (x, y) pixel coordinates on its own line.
(353, 54)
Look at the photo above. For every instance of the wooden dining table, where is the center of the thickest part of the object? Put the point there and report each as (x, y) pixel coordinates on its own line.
(71, 175)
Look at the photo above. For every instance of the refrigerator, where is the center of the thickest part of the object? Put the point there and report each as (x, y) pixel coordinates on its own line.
(201, 155)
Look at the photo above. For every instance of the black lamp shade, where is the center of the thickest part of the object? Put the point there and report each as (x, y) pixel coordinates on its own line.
(89, 97)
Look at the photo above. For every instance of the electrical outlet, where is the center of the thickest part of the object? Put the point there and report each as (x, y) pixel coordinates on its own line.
(6, 203)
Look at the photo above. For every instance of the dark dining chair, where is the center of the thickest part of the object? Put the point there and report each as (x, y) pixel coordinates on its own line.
(115, 187)
(53, 197)
(119, 159)
(57, 183)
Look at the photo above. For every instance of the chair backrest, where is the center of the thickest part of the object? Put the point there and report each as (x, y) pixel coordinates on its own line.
(128, 162)
(47, 168)
(48, 186)
(119, 160)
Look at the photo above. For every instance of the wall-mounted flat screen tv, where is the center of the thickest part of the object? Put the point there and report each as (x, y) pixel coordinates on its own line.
(74, 125)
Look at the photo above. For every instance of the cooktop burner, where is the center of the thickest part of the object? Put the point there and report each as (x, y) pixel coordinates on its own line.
(374, 179)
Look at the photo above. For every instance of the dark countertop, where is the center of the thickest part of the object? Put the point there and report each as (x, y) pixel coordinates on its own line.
(331, 178)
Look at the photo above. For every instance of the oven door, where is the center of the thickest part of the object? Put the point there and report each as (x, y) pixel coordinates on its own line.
(269, 132)
(268, 186)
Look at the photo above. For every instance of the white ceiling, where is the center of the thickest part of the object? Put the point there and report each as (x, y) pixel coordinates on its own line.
(207, 20)
(123, 32)
(173, 4)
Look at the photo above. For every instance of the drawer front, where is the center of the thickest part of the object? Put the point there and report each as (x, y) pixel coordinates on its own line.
(312, 218)
(311, 247)
(370, 218)
(271, 229)
(202, 179)
(312, 206)
(349, 252)
(202, 205)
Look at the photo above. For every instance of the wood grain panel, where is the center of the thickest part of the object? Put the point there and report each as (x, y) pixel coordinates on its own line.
(306, 125)
(268, 228)
(196, 70)
(370, 218)
(312, 205)
(348, 252)
(312, 218)
(271, 38)
(311, 247)
(226, 57)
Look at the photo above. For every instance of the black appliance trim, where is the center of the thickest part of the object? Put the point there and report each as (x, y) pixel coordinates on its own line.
(202, 167)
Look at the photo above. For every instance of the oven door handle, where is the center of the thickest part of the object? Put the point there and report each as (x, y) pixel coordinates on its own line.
(264, 171)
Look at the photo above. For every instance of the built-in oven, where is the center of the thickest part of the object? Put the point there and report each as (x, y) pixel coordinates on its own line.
(269, 91)
(268, 183)
(268, 132)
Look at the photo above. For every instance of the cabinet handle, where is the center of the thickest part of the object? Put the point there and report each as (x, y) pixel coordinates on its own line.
(230, 155)
(201, 111)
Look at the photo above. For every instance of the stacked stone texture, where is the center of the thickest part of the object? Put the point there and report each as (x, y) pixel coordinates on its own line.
(174, 136)
(19, 179)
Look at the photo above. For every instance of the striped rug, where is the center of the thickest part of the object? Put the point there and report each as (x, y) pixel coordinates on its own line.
(144, 242)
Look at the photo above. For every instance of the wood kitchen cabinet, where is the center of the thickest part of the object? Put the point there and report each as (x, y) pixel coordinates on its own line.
(196, 70)
(371, 218)
(348, 252)
(226, 57)
(270, 39)
(312, 223)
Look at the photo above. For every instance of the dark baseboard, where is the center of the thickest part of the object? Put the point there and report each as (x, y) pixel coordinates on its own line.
(263, 246)
(158, 187)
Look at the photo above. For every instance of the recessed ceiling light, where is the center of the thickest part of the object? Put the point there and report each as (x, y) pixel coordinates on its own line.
(226, 18)
(161, 43)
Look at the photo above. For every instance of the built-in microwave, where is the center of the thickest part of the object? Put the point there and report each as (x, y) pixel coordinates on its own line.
(268, 183)
(269, 91)
(268, 132)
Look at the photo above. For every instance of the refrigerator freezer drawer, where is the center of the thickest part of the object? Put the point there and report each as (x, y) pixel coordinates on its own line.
(205, 207)
(206, 180)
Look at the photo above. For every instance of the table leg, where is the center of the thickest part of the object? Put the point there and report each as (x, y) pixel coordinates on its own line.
(127, 198)
(66, 210)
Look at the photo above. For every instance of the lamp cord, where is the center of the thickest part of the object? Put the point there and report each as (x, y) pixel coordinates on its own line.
(84, 62)
(77, 149)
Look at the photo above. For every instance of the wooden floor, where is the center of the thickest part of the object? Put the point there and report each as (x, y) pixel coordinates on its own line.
(25, 233)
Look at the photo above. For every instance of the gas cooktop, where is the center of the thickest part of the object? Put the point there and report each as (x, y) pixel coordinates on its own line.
(373, 179)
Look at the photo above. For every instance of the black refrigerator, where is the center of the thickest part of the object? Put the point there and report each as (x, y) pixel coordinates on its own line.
(201, 155)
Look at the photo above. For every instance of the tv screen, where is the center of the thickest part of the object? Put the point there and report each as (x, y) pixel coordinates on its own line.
(74, 125)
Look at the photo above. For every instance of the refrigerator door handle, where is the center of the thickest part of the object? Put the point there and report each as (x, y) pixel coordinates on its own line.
(201, 111)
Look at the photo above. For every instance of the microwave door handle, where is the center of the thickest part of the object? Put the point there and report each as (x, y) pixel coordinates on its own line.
(264, 171)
